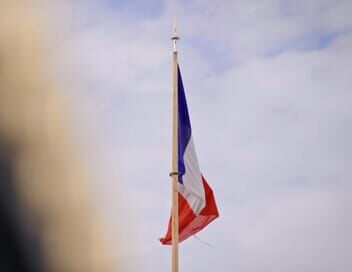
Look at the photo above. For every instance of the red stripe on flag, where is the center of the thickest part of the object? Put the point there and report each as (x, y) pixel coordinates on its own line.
(189, 222)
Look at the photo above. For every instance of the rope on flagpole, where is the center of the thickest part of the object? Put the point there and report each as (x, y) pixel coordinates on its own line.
(203, 242)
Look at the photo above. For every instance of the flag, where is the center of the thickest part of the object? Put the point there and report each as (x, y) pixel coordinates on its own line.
(197, 207)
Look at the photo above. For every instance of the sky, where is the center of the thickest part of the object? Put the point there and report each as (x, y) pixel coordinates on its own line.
(268, 90)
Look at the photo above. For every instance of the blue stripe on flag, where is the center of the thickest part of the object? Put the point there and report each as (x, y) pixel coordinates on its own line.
(184, 126)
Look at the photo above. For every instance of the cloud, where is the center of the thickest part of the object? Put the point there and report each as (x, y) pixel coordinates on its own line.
(295, 232)
(279, 157)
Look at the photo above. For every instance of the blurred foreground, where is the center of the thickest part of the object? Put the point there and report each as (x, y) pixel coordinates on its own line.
(46, 218)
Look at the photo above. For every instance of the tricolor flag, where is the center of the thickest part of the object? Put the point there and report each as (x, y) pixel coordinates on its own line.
(197, 207)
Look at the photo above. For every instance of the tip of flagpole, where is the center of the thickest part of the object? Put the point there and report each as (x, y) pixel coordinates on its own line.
(175, 36)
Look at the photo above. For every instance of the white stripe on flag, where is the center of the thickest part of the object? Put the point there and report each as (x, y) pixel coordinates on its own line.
(192, 188)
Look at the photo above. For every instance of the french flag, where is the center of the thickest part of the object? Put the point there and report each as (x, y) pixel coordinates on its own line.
(197, 207)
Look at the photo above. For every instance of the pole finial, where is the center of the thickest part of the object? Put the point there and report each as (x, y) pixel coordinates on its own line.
(175, 36)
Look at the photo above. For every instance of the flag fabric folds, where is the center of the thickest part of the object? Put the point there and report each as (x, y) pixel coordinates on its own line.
(197, 207)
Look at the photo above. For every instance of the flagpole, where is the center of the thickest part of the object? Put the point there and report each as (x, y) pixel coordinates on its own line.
(174, 173)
